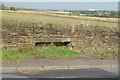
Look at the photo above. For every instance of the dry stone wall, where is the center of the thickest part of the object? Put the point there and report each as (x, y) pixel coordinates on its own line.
(20, 37)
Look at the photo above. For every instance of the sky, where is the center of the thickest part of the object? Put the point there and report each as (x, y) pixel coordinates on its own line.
(59, 0)
(65, 5)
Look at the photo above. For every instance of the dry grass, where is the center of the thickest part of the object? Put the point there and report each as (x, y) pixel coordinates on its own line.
(64, 20)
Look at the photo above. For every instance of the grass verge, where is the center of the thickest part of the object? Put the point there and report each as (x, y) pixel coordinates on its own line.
(52, 52)
(49, 52)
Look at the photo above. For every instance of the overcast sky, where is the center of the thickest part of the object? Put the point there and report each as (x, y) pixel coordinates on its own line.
(60, 0)
(66, 5)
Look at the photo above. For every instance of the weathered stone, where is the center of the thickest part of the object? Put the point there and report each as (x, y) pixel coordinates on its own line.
(82, 37)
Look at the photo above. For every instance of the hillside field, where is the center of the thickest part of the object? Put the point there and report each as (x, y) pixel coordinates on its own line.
(64, 20)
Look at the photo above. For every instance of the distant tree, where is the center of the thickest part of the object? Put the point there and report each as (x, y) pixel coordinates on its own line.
(13, 9)
(114, 14)
(3, 7)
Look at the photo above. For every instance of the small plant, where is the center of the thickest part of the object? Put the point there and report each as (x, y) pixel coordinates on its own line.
(106, 53)
(28, 48)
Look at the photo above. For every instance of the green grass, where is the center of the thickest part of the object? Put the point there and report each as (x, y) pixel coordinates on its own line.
(50, 52)
(103, 53)
(14, 55)
(0, 54)
(53, 52)
(111, 53)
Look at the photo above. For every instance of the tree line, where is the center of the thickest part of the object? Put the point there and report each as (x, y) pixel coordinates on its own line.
(3, 7)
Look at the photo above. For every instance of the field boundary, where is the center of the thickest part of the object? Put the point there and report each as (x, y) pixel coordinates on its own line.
(72, 17)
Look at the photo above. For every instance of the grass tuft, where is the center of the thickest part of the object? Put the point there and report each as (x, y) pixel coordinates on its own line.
(49, 52)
